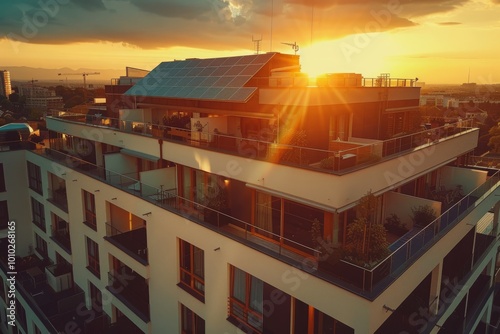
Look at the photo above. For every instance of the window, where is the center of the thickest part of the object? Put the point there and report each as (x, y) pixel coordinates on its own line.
(89, 207)
(38, 214)
(2, 179)
(93, 257)
(191, 323)
(41, 245)
(192, 269)
(245, 301)
(35, 177)
(4, 215)
(95, 297)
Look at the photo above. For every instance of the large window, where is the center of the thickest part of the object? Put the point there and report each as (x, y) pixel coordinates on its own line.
(192, 269)
(4, 214)
(246, 299)
(286, 222)
(93, 257)
(95, 297)
(191, 323)
(41, 245)
(38, 214)
(89, 208)
(2, 179)
(35, 177)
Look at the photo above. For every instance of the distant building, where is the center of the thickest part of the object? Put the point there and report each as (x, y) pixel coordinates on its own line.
(5, 85)
(439, 101)
(40, 98)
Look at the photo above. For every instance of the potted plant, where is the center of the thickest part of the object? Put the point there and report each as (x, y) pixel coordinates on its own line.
(393, 225)
(366, 240)
(423, 215)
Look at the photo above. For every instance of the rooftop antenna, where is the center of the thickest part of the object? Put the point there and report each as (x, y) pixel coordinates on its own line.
(272, 17)
(312, 22)
(256, 44)
(294, 46)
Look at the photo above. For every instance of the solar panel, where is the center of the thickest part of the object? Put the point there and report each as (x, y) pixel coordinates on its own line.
(217, 78)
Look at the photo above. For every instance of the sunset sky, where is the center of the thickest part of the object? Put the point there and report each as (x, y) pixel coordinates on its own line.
(435, 40)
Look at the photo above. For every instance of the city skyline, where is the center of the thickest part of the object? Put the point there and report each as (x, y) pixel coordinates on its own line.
(437, 41)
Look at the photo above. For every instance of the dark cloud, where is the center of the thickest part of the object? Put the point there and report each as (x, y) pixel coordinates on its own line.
(90, 5)
(210, 24)
(449, 23)
(193, 9)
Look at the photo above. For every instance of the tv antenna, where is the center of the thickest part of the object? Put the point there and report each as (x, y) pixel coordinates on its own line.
(256, 44)
(294, 46)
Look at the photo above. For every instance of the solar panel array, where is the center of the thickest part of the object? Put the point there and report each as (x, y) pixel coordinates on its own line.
(208, 79)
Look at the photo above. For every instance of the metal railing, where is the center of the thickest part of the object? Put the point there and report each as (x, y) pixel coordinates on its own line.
(365, 281)
(263, 147)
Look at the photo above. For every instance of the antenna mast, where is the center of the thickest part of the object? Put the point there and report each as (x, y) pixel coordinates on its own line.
(294, 46)
(256, 44)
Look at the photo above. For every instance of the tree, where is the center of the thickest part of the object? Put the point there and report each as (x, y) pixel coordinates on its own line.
(366, 239)
(494, 142)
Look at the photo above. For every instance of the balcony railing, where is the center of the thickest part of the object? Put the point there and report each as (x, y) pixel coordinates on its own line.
(132, 242)
(375, 279)
(132, 290)
(62, 237)
(263, 147)
(59, 198)
(368, 282)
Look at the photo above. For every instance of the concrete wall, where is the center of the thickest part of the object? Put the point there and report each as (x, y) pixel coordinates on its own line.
(18, 200)
(401, 205)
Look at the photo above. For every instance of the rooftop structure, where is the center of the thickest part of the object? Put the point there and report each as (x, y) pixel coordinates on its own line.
(224, 195)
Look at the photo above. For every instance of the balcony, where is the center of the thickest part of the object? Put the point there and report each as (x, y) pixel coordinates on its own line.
(368, 282)
(59, 198)
(131, 289)
(62, 238)
(54, 309)
(59, 277)
(133, 242)
(342, 156)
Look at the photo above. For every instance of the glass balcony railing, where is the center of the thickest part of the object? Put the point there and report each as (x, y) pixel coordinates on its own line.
(345, 157)
(133, 242)
(131, 289)
(365, 281)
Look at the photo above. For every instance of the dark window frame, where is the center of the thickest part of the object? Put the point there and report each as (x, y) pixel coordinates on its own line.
(35, 177)
(189, 269)
(93, 264)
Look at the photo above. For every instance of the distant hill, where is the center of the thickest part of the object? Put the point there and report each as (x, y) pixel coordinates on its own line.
(23, 73)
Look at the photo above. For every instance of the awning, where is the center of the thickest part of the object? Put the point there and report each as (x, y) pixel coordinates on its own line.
(139, 155)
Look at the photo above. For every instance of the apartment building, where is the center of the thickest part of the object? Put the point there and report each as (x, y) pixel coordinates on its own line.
(227, 195)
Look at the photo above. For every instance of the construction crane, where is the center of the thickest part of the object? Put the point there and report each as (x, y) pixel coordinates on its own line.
(84, 74)
(294, 46)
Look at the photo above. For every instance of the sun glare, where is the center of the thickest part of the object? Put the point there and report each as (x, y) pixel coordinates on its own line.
(347, 55)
